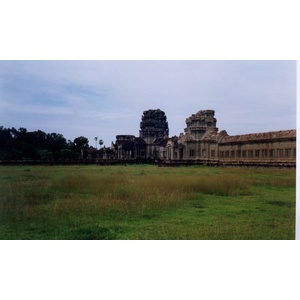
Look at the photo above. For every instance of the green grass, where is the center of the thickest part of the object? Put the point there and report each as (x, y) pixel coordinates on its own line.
(146, 202)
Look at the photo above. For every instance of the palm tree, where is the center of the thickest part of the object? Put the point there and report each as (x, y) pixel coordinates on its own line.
(96, 138)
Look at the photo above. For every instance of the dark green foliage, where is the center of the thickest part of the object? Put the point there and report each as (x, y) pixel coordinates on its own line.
(45, 154)
(38, 145)
(67, 154)
(81, 142)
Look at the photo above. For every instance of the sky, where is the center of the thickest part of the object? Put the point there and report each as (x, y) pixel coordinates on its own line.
(102, 98)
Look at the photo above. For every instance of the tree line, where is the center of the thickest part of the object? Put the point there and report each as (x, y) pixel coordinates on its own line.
(37, 145)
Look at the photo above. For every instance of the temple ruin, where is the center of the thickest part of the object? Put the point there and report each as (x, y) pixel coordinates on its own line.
(202, 143)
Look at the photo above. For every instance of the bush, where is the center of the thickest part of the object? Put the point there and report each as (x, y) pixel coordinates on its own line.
(45, 154)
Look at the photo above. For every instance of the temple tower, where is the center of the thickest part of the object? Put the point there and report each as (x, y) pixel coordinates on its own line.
(154, 129)
(200, 124)
(154, 125)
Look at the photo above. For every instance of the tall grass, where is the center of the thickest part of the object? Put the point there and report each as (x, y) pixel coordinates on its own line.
(95, 202)
(127, 194)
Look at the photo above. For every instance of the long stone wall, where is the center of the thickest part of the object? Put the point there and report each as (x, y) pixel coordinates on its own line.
(265, 148)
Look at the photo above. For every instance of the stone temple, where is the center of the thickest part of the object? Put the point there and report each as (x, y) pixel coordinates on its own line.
(202, 143)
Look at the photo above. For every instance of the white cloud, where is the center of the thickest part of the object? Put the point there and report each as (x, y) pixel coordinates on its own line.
(111, 95)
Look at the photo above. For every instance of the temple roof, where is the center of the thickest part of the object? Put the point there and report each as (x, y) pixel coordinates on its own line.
(214, 136)
(260, 137)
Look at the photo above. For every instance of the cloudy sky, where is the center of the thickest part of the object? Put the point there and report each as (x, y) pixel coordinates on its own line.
(106, 98)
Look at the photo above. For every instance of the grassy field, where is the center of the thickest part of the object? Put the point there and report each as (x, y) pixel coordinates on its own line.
(146, 202)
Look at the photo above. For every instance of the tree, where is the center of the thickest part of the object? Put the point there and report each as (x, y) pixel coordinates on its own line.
(101, 143)
(55, 142)
(81, 143)
(22, 144)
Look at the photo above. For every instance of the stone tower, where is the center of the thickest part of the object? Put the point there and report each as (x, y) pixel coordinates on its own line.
(154, 125)
(199, 124)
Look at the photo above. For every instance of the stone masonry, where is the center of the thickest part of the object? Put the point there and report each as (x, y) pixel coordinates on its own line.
(202, 143)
